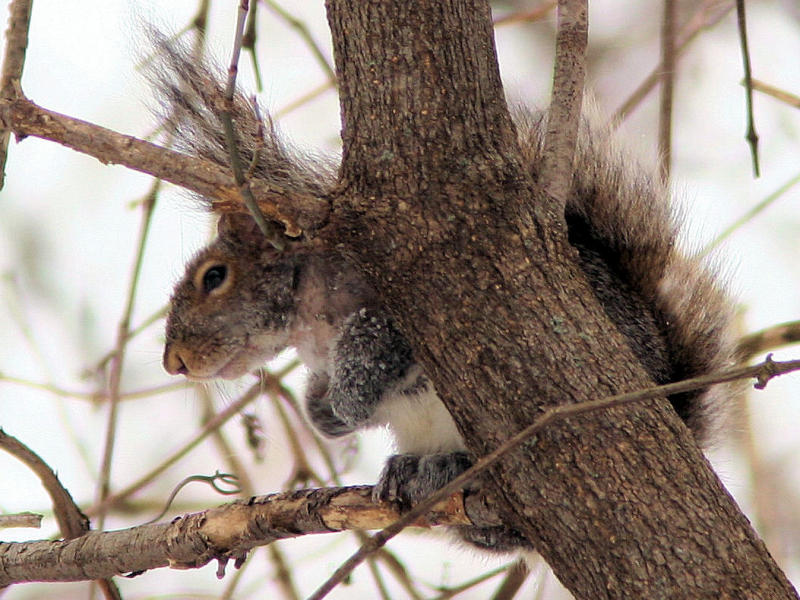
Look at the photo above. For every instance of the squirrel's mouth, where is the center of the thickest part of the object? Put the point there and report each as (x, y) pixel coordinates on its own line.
(244, 361)
(235, 366)
(232, 363)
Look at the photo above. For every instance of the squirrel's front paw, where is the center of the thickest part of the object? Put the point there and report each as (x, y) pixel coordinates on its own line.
(351, 409)
(408, 478)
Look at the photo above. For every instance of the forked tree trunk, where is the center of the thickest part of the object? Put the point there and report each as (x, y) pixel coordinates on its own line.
(473, 262)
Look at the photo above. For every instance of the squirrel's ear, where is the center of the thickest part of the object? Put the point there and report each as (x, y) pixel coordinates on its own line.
(240, 229)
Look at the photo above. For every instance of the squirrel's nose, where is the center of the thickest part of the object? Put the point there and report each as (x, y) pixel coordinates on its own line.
(173, 363)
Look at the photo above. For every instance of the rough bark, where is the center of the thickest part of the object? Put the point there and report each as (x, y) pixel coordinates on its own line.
(473, 262)
(222, 533)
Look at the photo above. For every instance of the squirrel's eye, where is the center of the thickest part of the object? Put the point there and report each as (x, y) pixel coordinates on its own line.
(214, 277)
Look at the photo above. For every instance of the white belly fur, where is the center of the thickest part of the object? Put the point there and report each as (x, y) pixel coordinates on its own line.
(419, 421)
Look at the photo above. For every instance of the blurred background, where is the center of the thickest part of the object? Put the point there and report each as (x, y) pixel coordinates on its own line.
(69, 239)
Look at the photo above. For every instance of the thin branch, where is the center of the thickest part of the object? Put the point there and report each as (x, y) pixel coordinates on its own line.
(749, 215)
(516, 575)
(303, 31)
(768, 339)
(751, 136)
(222, 533)
(564, 116)
(123, 333)
(390, 561)
(249, 44)
(94, 396)
(708, 15)
(19, 20)
(527, 16)
(153, 318)
(270, 231)
(71, 521)
(283, 574)
(22, 520)
(667, 88)
(763, 372)
(298, 212)
(445, 593)
(302, 100)
(209, 427)
(777, 93)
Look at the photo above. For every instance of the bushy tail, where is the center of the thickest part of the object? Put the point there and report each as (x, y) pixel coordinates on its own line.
(624, 215)
(192, 96)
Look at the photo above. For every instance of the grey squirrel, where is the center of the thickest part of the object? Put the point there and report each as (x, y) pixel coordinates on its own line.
(241, 302)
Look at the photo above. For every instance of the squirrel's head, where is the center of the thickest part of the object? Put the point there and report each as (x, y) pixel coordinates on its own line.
(234, 308)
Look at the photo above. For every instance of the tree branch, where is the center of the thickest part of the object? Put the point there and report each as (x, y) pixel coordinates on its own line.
(71, 521)
(19, 20)
(222, 533)
(564, 115)
(297, 212)
(707, 15)
(667, 88)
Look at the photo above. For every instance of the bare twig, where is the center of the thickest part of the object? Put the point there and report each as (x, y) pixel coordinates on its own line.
(449, 592)
(515, 576)
(527, 16)
(210, 426)
(283, 574)
(302, 100)
(226, 118)
(23, 520)
(71, 521)
(389, 560)
(777, 93)
(564, 116)
(667, 87)
(153, 318)
(297, 212)
(749, 215)
(751, 136)
(19, 20)
(249, 44)
(768, 339)
(123, 332)
(303, 31)
(709, 14)
(232, 530)
(93, 396)
(222, 533)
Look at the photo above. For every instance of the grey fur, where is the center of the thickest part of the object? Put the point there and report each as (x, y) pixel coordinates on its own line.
(319, 409)
(258, 301)
(370, 358)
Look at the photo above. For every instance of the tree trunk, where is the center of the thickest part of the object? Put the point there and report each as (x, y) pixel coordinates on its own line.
(473, 262)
